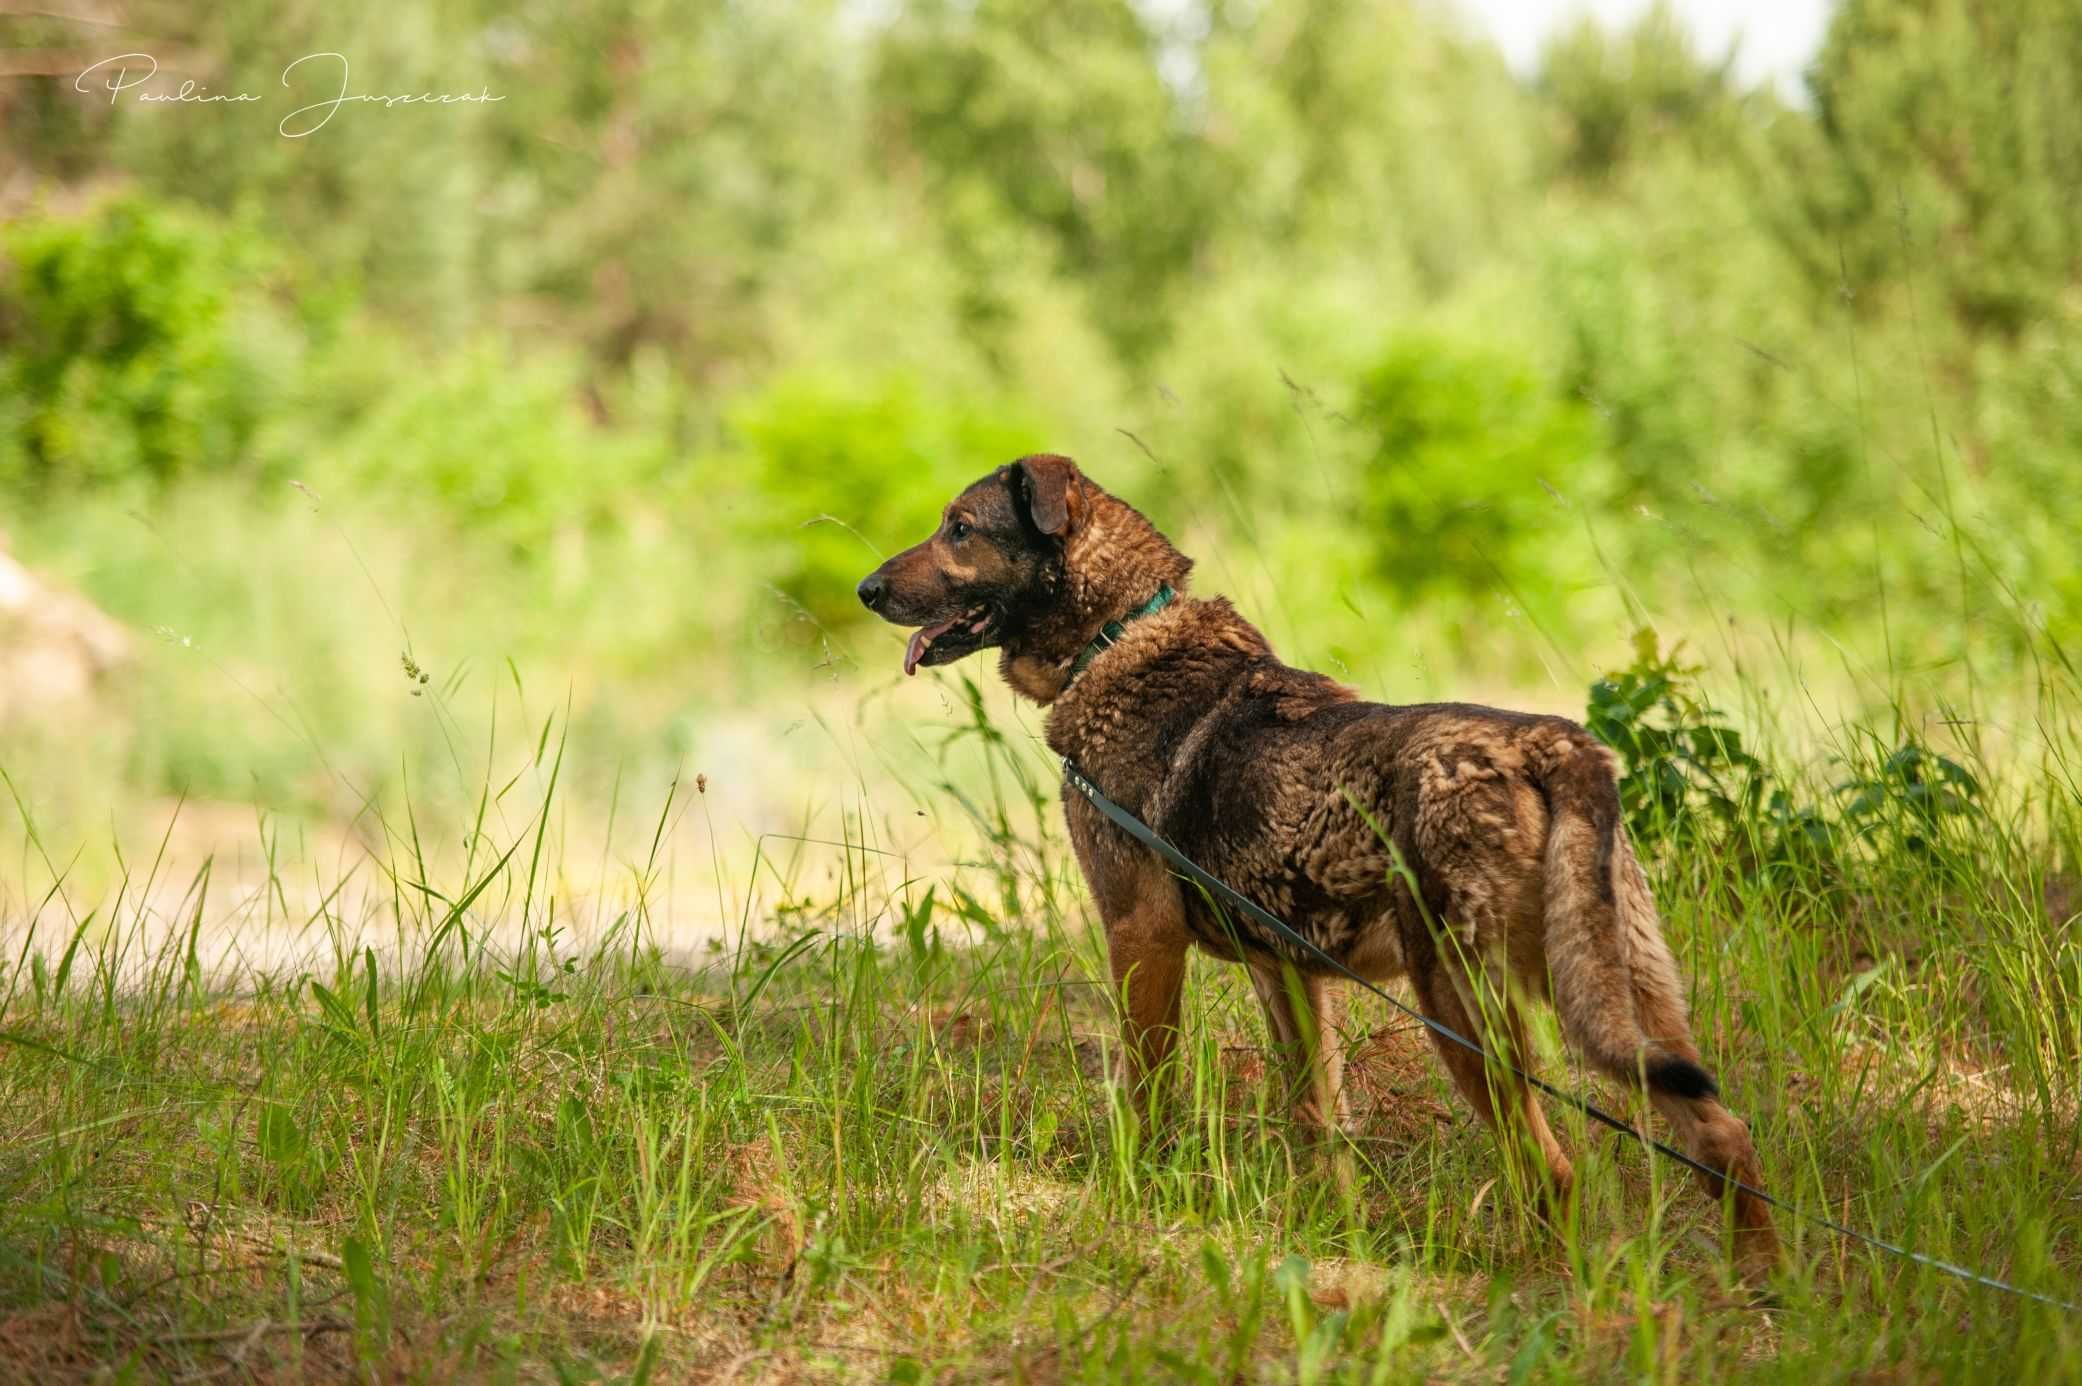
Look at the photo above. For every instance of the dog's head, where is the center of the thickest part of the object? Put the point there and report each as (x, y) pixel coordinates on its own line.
(992, 568)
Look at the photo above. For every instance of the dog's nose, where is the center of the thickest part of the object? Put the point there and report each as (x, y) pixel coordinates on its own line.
(874, 590)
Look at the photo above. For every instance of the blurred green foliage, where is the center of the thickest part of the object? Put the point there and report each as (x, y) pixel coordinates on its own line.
(1943, 158)
(496, 443)
(121, 354)
(1469, 450)
(720, 301)
(1057, 118)
(837, 477)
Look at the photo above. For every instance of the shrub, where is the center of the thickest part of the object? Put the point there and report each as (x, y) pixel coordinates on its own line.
(1467, 449)
(1619, 93)
(121, 356)
(1690, 781)
(495, 444)
(840, 475)
(1908, 800)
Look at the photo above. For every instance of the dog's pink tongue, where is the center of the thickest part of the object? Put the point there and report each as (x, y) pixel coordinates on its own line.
(921, 641)
(915, 651)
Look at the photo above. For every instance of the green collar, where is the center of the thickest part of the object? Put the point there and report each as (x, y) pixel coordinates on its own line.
(1114, 630)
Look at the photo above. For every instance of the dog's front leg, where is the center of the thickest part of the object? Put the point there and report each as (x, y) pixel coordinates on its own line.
(1146, 945)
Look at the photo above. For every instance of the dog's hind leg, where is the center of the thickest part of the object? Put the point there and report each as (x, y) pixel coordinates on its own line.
(1303, 1016)
(1506, 1103)
(1708, 1131)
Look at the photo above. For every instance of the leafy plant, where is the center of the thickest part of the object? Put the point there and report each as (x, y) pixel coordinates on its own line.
(1686, 768)
(1908, 798)
(1689, 777)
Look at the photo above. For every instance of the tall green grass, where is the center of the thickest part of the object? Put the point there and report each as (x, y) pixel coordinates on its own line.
(480, 1128)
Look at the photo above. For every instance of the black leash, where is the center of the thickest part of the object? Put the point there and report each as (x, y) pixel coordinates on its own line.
(1193, 871)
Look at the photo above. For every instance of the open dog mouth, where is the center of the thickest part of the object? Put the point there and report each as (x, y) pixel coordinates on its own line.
(949, 640)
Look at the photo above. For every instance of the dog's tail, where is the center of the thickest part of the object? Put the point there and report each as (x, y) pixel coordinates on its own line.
(1616, 986)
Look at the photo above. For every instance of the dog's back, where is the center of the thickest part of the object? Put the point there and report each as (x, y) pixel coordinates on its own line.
(1446, 842)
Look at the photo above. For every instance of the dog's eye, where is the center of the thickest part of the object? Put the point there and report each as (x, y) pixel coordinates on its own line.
(957, 530)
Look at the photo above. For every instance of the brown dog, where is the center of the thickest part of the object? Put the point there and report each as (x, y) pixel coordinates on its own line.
(1322, 808)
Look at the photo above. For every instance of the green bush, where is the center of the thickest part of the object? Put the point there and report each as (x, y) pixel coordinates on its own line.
(840, 475)
(1468, 451)
(126, 356)
(497, 444)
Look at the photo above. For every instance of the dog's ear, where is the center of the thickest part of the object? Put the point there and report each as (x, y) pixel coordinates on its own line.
(1052, 490)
